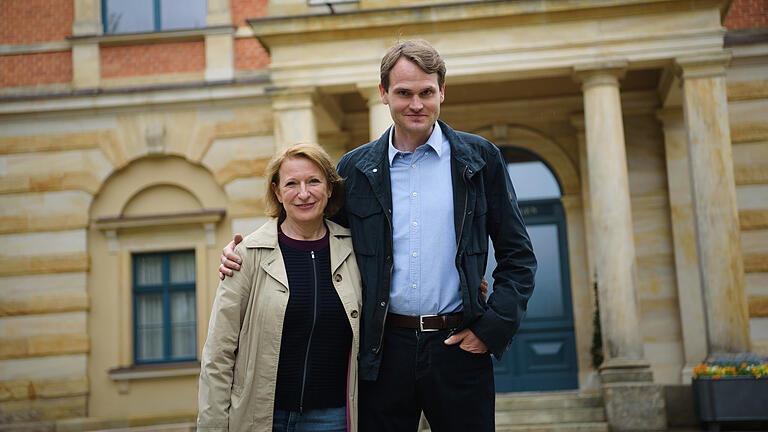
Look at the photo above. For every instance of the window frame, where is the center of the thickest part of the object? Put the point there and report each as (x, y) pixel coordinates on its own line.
(156, 19)
(165, 289)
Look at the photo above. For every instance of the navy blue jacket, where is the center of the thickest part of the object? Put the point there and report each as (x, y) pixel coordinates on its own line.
(484, 205)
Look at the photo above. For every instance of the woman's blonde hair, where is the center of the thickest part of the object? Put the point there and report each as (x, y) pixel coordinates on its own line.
(320, 157)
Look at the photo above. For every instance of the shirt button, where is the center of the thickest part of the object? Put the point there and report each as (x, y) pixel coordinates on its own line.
(382, 304)
(415, 224)
(413, 166)
(337, 278)
(414, 286)
(354, 314)
(414, 194)
(415, 254)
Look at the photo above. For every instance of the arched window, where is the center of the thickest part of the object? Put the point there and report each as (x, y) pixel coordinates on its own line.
(532, 178)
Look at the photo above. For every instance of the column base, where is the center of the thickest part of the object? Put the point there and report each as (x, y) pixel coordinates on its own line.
(633, 402)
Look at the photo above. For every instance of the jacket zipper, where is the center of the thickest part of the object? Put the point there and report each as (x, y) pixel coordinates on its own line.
(391, 267)
(464, 214)
(311, 331)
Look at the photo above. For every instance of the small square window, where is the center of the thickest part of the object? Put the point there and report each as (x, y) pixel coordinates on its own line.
(165, 316)
(137, 16)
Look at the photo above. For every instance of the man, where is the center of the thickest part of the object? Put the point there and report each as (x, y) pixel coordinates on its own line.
(422, 201)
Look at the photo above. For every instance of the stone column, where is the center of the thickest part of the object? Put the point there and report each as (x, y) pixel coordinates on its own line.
(219, 45)
(86, 61)
(715, 208)
(632, 401)
(578, 123)
(220, 55)
(294, 119)
(687, 270)
(379, 118)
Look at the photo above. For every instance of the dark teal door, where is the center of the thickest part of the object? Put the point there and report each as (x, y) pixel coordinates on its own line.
(543, 353)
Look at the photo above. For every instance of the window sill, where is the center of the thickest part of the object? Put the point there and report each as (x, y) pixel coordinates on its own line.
(166, 370)
(161, 36)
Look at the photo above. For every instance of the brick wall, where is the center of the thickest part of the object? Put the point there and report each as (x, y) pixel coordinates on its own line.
(34, 21)
(37, 68)
(250, 55)
(150, 59)
(745, 14)
(243, 9)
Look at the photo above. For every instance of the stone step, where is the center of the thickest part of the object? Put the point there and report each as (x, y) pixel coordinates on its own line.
(557, 427)
(549, 415)
(178, 427)
(555, 400)
(553, 427)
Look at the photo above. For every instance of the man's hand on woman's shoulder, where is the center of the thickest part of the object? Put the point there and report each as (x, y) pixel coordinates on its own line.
(230, 261)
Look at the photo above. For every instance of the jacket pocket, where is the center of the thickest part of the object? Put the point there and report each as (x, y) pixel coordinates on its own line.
(364, 213)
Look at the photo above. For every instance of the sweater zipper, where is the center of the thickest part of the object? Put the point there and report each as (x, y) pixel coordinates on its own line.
(311, 331)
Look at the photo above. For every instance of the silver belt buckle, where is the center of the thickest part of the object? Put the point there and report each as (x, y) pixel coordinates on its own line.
(421, 323)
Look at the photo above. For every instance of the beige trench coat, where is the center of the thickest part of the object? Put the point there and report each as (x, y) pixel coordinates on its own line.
(238, 371)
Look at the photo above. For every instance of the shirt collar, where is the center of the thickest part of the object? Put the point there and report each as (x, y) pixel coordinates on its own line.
(435, 141)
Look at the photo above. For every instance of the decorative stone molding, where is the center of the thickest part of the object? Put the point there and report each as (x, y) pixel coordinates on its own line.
(154, 135)
(112, 225)
(126, 222)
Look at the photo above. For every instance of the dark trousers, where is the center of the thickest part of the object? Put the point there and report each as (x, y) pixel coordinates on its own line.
(419, 372)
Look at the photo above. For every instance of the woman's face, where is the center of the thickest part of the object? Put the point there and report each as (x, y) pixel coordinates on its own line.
(303, 190)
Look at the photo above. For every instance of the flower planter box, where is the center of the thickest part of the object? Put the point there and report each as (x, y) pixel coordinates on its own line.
(730, 398)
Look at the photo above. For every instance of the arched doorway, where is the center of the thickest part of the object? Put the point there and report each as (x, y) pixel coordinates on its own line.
(543, 353)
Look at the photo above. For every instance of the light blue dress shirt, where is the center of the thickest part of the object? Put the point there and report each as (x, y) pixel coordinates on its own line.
(424, 280)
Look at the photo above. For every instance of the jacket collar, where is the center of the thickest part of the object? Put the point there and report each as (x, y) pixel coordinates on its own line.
(377, 154)
(461, 151)
(266, 238)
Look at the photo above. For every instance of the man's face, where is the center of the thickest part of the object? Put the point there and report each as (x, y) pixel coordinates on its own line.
(414, 98)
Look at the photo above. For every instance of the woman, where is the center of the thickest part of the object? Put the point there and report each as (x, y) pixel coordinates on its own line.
(283, 336)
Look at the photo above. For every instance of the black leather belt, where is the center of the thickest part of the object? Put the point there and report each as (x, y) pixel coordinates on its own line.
(426, 322)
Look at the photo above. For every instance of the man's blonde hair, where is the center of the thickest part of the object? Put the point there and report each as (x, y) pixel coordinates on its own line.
(320, 157)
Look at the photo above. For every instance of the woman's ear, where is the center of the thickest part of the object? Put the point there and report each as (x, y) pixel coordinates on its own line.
(276, 191)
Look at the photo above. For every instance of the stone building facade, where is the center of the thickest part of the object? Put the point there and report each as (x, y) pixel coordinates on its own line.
(133, 155)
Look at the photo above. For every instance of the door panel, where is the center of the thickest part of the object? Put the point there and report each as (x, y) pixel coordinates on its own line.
(543, 353)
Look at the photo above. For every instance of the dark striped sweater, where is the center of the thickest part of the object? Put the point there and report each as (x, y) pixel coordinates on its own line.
(317, 338)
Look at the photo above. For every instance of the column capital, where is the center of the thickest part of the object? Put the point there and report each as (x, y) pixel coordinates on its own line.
(703, 65)
(292, 98)
(600, 72)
